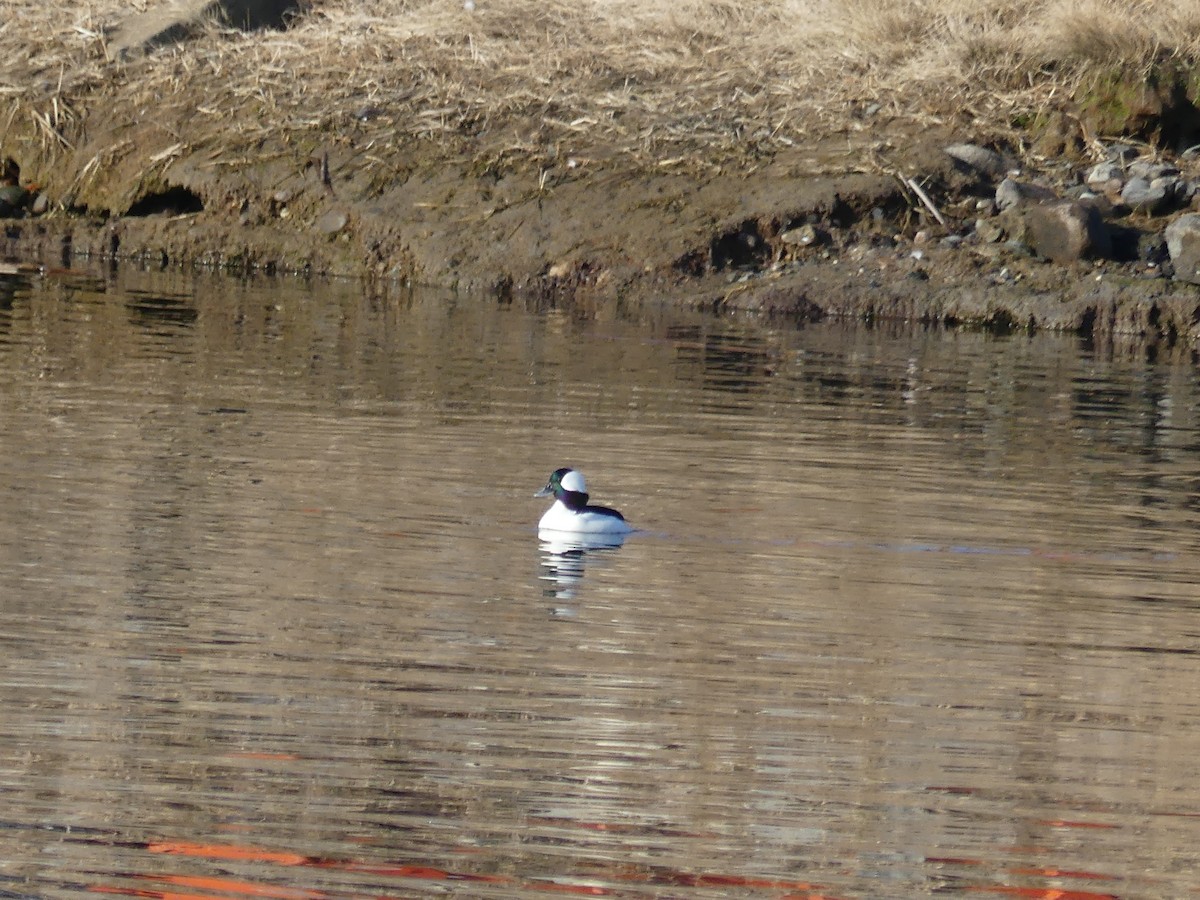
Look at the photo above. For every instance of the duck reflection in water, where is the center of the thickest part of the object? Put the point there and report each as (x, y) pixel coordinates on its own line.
(564, 558)
(571, 528)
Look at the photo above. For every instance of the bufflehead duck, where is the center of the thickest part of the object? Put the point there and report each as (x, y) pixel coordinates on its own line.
(571, 512)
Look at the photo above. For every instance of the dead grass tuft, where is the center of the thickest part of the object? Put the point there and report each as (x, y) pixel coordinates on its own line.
(659, 81)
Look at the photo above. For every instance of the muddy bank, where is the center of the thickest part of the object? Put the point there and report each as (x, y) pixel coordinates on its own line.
(777, 240)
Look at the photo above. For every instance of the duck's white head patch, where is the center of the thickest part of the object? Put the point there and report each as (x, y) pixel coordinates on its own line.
(573, 481)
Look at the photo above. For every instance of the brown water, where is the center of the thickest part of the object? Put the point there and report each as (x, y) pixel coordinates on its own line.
(911, 613)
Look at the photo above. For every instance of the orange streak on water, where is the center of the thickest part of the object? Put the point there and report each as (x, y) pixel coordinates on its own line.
(229, 851)
(586, 890)
(1063, 873)
(710, 880)
(244, 888)
(1040, 893)
(152, 895)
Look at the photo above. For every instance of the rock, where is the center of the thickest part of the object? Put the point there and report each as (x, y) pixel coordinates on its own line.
(1150, 197)
(1064, 231)
(1120, 153)
(1183, 244)
(1011, 193)
(804, 236)
(332, 222)
(1100, 175)
(982, 160)
(1101, 202)
(13, 200)
(1151, 170)
(41, 203)
(990, 231)
(1174, 186)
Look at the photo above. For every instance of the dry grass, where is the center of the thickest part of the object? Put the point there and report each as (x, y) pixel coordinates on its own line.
(655, 79)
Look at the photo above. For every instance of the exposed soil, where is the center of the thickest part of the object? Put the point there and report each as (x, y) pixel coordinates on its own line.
(595, 226)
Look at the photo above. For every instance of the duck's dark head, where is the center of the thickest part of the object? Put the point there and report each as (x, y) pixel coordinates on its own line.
(568, 486)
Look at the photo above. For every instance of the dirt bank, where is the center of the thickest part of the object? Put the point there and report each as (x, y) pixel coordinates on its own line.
(830, 221)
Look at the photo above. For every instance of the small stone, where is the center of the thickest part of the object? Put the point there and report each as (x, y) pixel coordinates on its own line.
(990, 231)
(332, 222)
(1151, 170)
(982, 160)
(1183, 245)
(282, 196)
(1120, 153)
(13, 200)
(1099, 176)
(1145, 196)
(804, 236)
(41, 203)
(1011, 193)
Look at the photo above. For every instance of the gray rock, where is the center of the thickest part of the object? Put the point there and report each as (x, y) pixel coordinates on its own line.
(1100, 175)
(1183, 245)
(41, 203)
(1151, 170)
(13, 200)
(1064, 231)
(1120, 153)
(1012, 193)
(1172, 184)
(1150, 197)
(332, 222)
(981, 159)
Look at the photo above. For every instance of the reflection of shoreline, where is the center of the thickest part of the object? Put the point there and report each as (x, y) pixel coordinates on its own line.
(563, 558)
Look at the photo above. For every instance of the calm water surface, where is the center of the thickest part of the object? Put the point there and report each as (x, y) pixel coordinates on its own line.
(910, 613)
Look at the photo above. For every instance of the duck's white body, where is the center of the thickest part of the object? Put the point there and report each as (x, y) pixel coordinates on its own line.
(560, 517)
(572, 514)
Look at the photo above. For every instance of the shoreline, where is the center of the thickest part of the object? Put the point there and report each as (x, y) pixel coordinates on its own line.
(856, 267)
(994, 219)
